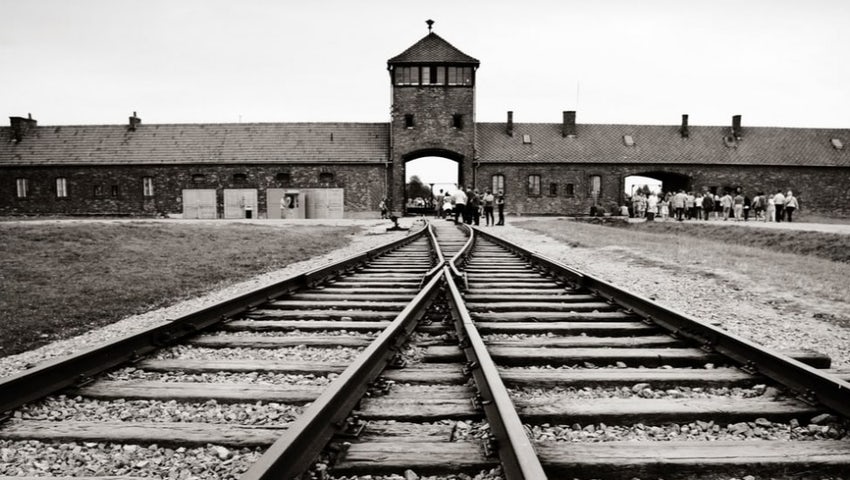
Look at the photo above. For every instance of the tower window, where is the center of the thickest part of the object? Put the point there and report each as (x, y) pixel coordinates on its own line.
(408, 120)
(534, 185)
(460, 75)
(457, 121)
(407, 76)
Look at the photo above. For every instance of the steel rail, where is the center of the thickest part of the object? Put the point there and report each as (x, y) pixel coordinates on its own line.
(53, 375)
(292, 454)
(516, 452)
(812, 384)
(438, 263)
(458, 259)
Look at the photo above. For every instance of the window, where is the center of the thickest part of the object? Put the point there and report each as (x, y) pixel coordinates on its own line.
(147, 186)
(460, 75)
(61, 187)
(240, 178)
(283, 178)
(407, 76)
(569, 190)
(115, 191)
(837, 144)
(457, 121)
(498, 182)
(408, 120)
(553, 189)
(198, 178)
(433, 75)
(628, 141)
(534, 185)
(23, 187)
(595, 186)
(326, 177)
(526, 139)
(98, 191)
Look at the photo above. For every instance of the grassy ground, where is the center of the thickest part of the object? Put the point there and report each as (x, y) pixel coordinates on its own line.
(757, 256)
(59, 280)
(830, 246)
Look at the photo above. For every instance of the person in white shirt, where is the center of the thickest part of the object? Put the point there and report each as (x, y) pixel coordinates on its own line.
(459, 199)
(779, 203)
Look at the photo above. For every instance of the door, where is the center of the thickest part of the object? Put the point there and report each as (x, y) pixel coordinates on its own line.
(325, 203)
(199, 203)
(240, 203)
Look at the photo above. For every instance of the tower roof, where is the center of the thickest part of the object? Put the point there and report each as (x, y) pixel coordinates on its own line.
(433, 49)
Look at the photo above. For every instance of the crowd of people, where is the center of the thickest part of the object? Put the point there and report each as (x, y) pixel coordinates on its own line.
(681, 205)
(470, 205)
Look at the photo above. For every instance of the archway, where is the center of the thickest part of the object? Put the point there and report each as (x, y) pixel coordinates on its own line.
(428, 176)
(656, 181)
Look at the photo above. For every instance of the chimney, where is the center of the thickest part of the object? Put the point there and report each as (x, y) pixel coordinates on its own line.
(684, 129)
(736, 127)
(510, 127)
(134, 122)
(22, 126)
(569, 128)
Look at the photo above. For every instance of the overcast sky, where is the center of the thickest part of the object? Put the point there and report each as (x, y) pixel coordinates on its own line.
(775, 62)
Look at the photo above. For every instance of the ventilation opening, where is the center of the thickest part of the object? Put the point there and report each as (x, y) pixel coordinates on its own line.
(730, 141)
(326, 177)
(526, 139)
(837, 144)
(628, 141)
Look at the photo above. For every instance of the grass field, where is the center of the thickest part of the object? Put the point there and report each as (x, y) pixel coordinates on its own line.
(59, 280)
(799, 261)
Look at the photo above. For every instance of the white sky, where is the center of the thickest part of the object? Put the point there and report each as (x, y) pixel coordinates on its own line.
(775, 62)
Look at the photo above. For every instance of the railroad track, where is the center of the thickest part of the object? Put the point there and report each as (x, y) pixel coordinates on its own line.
(477, 356)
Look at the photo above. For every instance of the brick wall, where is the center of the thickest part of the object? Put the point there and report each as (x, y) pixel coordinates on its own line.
(819, 190)
(364, 185)
(433, 133)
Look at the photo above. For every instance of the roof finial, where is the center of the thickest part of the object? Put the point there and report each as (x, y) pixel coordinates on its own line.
(430, 24)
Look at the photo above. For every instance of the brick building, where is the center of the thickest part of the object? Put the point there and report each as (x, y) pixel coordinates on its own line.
(275, 170)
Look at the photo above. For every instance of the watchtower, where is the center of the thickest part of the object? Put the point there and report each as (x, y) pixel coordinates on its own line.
(433, 109)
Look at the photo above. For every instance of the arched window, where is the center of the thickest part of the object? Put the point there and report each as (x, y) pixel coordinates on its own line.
(498, 183)
(326, 177)
(240, 178)
(283, 178)
(198, 178)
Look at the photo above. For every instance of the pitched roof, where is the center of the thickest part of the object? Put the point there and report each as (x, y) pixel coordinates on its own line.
(432, 49)
(198, 143)
(659, 144)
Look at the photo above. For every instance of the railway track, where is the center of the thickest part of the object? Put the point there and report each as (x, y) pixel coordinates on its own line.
(477, 356)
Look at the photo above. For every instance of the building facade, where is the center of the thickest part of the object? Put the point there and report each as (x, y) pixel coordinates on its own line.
(315, 170)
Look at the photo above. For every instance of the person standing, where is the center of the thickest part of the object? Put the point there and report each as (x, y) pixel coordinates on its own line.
(678, 204)
(500, 206)
(726, 205)
(488, 201)
(779, 203)
(738, 203)
(698, 206)
(459, 198)
(651, 206)
(382, 206)
(770, 212)
(707, 205)
(791, 205)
